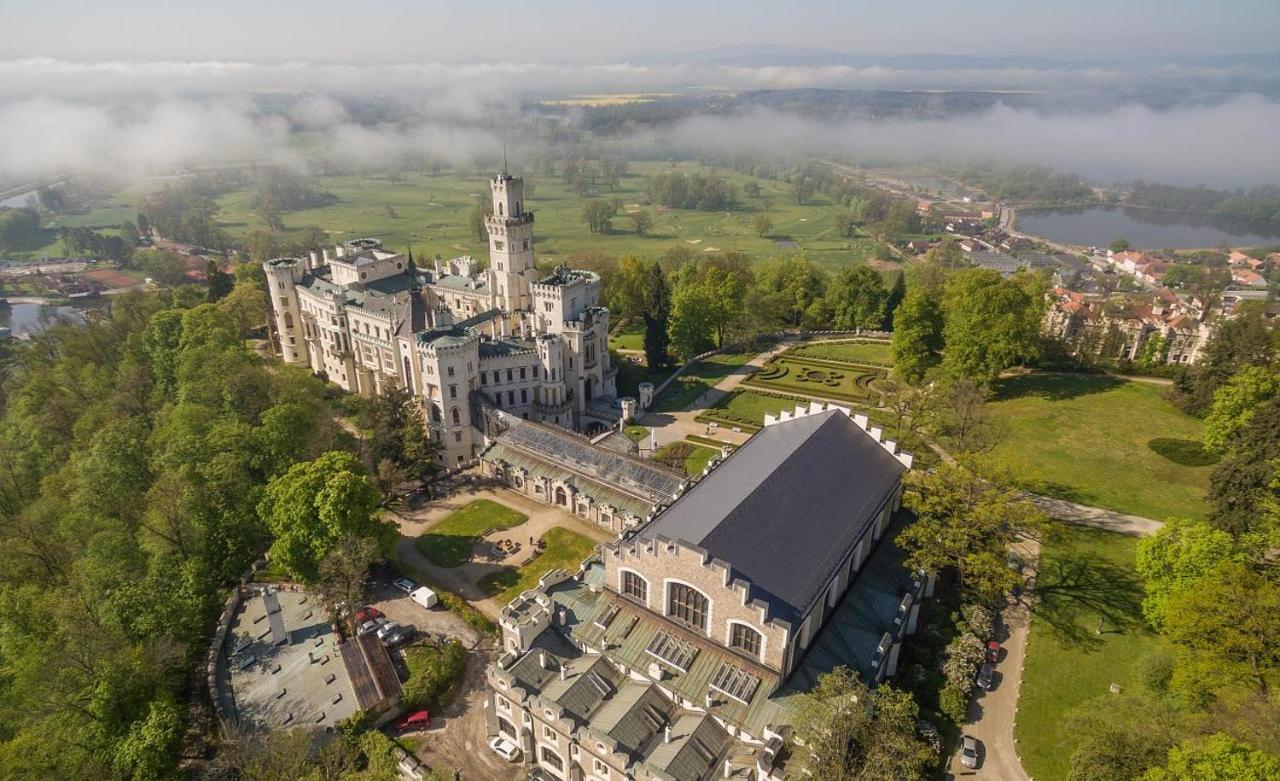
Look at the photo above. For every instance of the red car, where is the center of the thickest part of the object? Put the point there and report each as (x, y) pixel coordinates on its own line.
(993, 651)
(411, 721)
(367, 614)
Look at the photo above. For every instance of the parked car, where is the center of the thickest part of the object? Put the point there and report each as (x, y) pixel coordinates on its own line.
(538, 774)
(504, 748)
(371, 625)
(387, 628)
(399, 636)
(993, 651)
(411, 721)
(425, 597)
(368, 614)
(969, 751)
(404, 584)
(985, 674)
(1015, 562)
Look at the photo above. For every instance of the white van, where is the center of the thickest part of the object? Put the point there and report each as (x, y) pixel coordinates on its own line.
(425, 597)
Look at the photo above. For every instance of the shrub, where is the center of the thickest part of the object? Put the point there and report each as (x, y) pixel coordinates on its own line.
(954, 703)
(964, 656)
(981, 620)
(434, 672)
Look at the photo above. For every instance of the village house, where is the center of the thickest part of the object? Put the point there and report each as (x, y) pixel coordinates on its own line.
(677, 651)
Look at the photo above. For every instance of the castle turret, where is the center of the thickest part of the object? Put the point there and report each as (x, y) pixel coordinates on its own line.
(510, 230)
(283, 275)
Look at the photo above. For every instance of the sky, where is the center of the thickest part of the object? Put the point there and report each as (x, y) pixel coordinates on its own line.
(566, 30)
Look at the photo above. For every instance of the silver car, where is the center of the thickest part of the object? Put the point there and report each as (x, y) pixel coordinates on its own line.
(969, 751)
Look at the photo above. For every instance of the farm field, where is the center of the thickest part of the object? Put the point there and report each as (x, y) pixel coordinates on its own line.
(1101, 441)
(871, 353)
(431, 213)
(1086, 581)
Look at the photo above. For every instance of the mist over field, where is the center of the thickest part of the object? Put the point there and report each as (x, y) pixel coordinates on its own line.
(123, 117)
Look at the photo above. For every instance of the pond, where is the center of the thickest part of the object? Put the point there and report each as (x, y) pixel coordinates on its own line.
(32, 318)
(1098, 226)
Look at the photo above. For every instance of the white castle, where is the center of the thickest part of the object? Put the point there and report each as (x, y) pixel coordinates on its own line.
(459, 338)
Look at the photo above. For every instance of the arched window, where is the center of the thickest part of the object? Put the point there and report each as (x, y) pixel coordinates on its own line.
(635, 586)
(562, 498)
(457, 417)
(745, 639)
(552, 759)
(435, 413)
(687, 605)
(499, 208)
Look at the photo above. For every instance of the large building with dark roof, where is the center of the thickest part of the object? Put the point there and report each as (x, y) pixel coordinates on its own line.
(461, 338)
(676, 652)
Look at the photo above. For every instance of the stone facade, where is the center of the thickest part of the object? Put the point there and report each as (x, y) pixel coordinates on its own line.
(459, 337)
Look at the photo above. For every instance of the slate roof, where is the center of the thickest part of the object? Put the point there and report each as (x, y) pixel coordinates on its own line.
(745, 511)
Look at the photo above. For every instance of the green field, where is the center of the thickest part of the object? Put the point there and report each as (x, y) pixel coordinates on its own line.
(1094, 440)
(871, 353)
(628, 337)
(449, 542)
(827, 379)
(699, 378)
(430, 212)
(746, 409)
(565, 550)
(1086, 576)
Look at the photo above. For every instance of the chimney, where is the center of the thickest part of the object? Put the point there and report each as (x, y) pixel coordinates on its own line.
(666, 734)
(542, 660)
(563, 675)
(727, 768)
(315, 258)
(328, 256)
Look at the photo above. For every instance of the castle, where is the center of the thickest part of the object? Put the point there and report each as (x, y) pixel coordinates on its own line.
(462, 339)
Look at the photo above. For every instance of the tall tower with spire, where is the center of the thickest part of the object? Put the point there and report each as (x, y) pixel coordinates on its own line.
(511, 243)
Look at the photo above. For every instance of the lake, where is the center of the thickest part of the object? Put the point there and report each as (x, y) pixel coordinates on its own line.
(25, 319)
(1098, 226)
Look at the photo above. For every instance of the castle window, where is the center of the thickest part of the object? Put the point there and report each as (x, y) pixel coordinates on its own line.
(511, 398)
(526, 244)
(508, 375)
(499, 208)
(552, 759)
(457, 418)
(635, 586)
(453, 391)
(745, 639)
(522, 372)
(450, 371)
(498, 245)
(687, 605)
(524, 396)
(484, 378)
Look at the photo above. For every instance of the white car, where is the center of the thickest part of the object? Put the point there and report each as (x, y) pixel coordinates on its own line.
(404, 584)
(372, 625)
(969, 751)
(504, 748)
(386, 629)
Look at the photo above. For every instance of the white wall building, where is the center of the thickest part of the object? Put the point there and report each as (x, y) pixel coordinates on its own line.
(459, 337)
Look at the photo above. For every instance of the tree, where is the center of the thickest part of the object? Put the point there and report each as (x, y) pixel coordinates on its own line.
(857, 298)
(853, 733)
(803, 188)
(724, 296)
(1226, 625)
(598, 215)
(314, 506)
(691, 324)
(482, 209)
(220, 282)
(246, 306)
(911, 406)
(1244, 340)
(1120, 737)
(966, 523)
(641, 221)
(1218, 758)
(963, 419)
(343, 571)
(917, 335)
(162, 266)
(990, 323)
(787, 288)
(149, 751)
(896, 294)
(1177, 556)
(1234, 404)
(762, 225)
(1244, 480)
(656, 311)
(1120, 245)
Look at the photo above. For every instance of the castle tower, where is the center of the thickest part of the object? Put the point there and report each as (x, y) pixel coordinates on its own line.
(283, 275)
(511, 243)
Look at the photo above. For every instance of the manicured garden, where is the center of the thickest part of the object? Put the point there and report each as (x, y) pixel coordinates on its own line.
(867, 352)
(1087, 633)
(699, 378)
(826, 379)
(690, 457)
(564, 550)
(1101, 441)
(449, 542)
(746, 409)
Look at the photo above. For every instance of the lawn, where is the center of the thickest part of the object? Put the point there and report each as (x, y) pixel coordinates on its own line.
(1101, 441)
(449, 542)
(870, 353)
(631, 374)
(690, 457)
(699, 378)
(746, 409)
(628, 337)
(1086, 576)
(565, 550)
(817, 378)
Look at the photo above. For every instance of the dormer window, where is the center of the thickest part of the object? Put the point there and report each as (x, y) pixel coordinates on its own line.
(745, 639)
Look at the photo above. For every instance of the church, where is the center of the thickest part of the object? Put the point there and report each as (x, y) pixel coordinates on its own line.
(465, 340)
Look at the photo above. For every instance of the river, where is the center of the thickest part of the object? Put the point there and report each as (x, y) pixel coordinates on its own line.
(1098, 226)
(32, 318)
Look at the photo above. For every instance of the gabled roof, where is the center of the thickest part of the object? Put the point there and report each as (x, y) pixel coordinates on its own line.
(747, 511)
